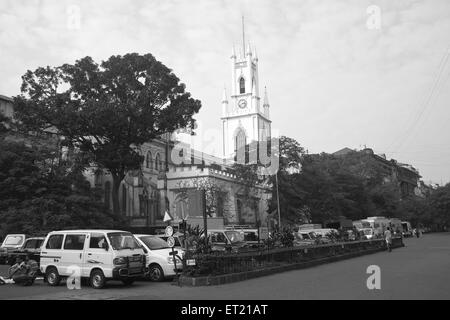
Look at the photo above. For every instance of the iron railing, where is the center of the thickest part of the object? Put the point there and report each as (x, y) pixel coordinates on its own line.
(225, 263)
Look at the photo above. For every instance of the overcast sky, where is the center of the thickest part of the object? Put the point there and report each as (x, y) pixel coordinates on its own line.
(338, 73)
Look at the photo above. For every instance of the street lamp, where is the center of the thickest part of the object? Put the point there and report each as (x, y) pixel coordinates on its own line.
(278, 202)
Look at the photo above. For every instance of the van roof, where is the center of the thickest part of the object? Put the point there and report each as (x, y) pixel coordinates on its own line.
(87, 230)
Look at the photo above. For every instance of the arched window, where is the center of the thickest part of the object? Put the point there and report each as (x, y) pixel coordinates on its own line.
(107, 194)
(148, 160)
(240, 140)
(241, 85)
(157, 162)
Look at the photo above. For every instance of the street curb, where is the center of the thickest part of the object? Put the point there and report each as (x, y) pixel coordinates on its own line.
(241, 276)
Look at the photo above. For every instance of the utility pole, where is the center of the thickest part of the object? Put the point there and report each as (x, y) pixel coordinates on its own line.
(166, 196)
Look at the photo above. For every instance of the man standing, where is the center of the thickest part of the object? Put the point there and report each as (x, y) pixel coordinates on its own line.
(388, 239)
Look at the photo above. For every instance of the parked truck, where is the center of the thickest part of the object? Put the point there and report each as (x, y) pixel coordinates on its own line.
(378, 224)
(407, 229)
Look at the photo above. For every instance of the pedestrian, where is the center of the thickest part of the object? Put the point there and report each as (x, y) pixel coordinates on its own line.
(388, 239)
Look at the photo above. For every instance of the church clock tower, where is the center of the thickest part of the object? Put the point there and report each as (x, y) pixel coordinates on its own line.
(245, 118)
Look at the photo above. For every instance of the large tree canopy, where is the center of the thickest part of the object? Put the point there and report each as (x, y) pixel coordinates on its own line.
(38, 194)
(107, 109)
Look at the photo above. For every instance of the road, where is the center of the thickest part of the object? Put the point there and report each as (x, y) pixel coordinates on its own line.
(420, 270)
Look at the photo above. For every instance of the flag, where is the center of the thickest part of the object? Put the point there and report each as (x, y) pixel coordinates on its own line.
(167, 217)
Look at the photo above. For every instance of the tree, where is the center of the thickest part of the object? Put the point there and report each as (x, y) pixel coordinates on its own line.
(37, 196)
(292, 208)
(108, 109)
(291, 153)
(215, 194)
(439, 203)
(249, 181)
(4, 122)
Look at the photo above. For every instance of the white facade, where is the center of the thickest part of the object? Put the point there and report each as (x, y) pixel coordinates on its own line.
(245, 118)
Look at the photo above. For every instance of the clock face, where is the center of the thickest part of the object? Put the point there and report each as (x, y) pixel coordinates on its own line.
(242, 103)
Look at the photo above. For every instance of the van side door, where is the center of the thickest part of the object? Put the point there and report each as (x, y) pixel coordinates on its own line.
(97, 254)
(73, 252)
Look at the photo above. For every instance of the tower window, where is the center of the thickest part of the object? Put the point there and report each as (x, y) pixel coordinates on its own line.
(242, 85)
(240, 140)
(158, 163)
(149, 161)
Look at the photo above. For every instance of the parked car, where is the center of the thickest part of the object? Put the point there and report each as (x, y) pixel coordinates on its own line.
(227, 240)
(31, 248)
(324, 235)
(160, 263)
(349, 235)
(251, 237)
(100, 255)
(11, 243)
(178, 236)
(304, 238)
(367, 233)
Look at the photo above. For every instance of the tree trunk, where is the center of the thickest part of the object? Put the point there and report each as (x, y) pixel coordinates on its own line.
(117, 179)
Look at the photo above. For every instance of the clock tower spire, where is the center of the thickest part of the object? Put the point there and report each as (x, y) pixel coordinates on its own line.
(245, 117)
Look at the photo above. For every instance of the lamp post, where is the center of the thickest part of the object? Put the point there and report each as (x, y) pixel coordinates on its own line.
(278, 202)
(166, 196)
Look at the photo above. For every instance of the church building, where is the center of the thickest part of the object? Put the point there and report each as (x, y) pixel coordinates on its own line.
(203, 181)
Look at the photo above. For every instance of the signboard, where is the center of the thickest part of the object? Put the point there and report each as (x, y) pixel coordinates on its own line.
(263, 233)
(171, 241)
(212, 223)
(169, 231)
(190, 262)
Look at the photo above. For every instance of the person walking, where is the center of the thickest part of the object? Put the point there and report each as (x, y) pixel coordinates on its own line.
(388, 239)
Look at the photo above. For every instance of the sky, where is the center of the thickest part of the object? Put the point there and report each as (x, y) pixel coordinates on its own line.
(339, 73)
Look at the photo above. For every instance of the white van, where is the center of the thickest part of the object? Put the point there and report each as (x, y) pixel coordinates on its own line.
(100, 255)
(159, 261)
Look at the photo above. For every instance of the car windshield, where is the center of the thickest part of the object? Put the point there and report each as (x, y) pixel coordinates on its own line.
(234, 236)
(122, 240)
(154, 243)
(13, 240)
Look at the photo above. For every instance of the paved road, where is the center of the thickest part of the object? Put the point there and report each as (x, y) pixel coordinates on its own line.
(418, 271)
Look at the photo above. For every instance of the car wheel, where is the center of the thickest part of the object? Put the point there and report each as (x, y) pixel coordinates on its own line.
(128, 282)
(52, 277)
(97, 279)
(155, 273)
